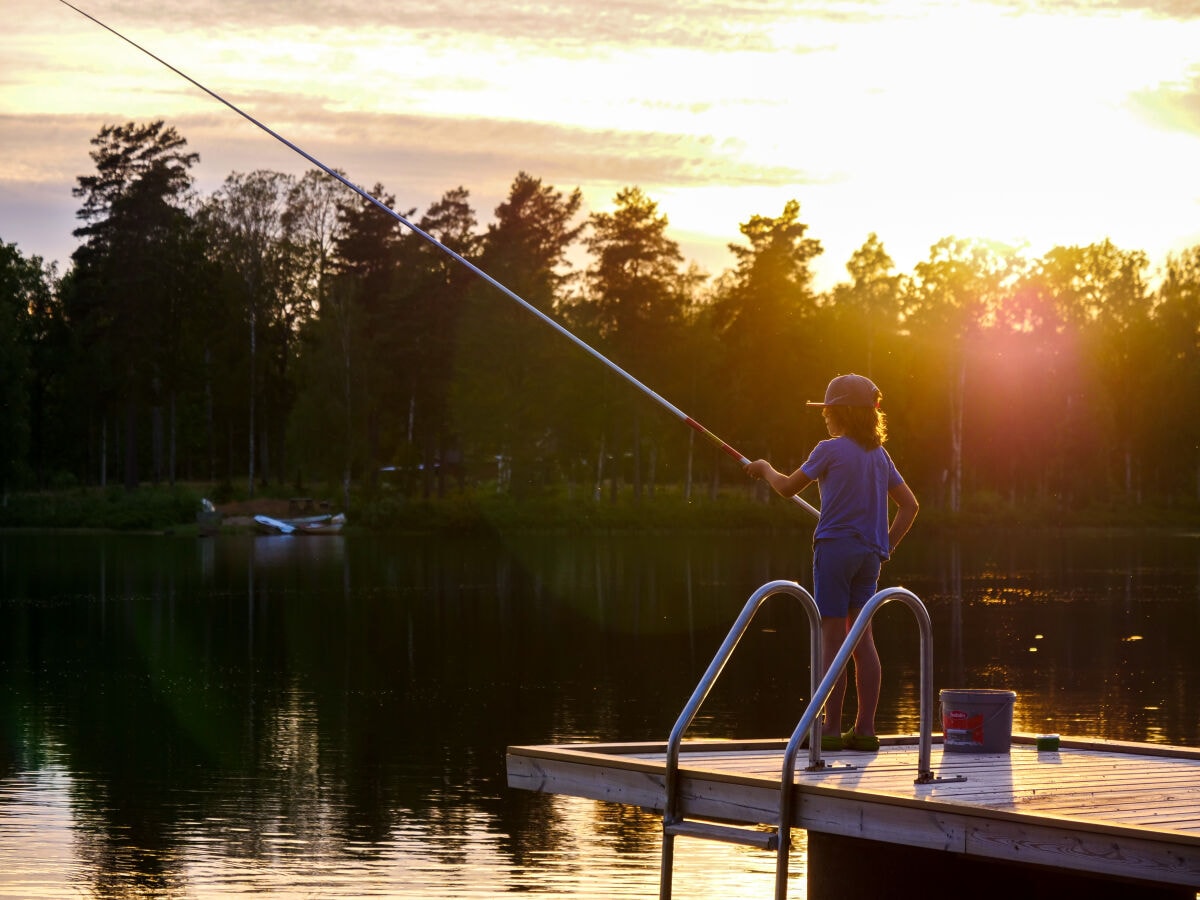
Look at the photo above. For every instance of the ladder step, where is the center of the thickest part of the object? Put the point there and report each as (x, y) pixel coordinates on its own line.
(732, 834)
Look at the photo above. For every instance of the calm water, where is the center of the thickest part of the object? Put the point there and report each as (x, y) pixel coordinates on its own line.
(327, 717)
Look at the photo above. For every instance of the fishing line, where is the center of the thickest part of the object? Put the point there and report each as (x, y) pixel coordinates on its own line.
(582, 345)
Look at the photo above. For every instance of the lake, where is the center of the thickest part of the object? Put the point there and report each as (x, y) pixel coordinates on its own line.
(327, 716)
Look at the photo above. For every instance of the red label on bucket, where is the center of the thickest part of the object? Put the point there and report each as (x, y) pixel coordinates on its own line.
(962, 730)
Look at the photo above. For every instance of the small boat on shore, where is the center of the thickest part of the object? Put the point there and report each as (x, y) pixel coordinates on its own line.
(324, 524)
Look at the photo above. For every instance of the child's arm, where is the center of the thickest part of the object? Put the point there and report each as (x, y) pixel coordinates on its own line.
(906, 512)
(784, 485)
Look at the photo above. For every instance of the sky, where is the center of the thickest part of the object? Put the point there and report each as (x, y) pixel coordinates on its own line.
(1035, 124)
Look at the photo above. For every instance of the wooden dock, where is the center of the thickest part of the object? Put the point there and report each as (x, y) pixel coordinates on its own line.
(1091, 814)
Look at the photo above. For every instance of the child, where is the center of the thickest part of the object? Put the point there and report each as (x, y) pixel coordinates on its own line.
(856, 476)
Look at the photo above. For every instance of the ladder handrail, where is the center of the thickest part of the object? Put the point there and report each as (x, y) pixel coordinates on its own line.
(808, 724)
(700, 694)
(821, 694)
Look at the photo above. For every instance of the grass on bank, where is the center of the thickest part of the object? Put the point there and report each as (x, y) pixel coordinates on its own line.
(112, 508)
(484, 510)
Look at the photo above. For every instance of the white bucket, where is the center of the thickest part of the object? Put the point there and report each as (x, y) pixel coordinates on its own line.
(977, 721)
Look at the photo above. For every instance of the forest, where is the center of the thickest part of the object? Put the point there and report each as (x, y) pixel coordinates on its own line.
(284, 331)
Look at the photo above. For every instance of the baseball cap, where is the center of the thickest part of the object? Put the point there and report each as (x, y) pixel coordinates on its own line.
(850, 390)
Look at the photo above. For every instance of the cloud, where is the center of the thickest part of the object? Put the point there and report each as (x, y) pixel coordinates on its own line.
(1182, 10)
(1171, 107)
(61, 144)
(415, 158)
(575, 26)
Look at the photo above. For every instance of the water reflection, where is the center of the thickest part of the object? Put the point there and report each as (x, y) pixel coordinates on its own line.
(328, 716)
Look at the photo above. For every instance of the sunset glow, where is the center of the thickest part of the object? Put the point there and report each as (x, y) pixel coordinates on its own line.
(1058, 124)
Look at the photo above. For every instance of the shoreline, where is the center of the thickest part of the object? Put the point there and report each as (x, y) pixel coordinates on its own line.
(178, 511)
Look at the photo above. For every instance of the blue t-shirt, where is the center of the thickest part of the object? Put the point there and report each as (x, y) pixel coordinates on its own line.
(854, 486)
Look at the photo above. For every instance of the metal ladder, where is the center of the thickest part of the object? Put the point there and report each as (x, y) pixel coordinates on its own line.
(674, 824)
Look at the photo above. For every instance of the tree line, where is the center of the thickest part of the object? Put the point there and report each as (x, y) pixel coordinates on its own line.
(285, 330)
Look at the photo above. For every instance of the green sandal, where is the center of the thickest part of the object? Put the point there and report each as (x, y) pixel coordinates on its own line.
(865, 743)
(833, 742)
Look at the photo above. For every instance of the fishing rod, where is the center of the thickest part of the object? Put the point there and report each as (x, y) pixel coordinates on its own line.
(529, 307)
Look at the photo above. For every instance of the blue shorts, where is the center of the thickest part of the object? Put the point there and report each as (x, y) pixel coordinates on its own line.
(845, 575)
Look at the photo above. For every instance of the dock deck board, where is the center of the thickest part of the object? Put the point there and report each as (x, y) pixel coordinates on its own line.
(1099, 807)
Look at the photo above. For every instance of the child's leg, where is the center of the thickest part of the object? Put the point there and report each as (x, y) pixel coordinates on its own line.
(868, 675)
(833, 633)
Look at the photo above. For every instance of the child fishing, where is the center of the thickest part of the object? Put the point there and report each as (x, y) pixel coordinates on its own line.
(856, 478)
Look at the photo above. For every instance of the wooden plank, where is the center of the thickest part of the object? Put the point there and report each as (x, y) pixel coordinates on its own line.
(1117, 802)
(702, 798)
(1061, 848)
(849, 816)
(584, 778)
